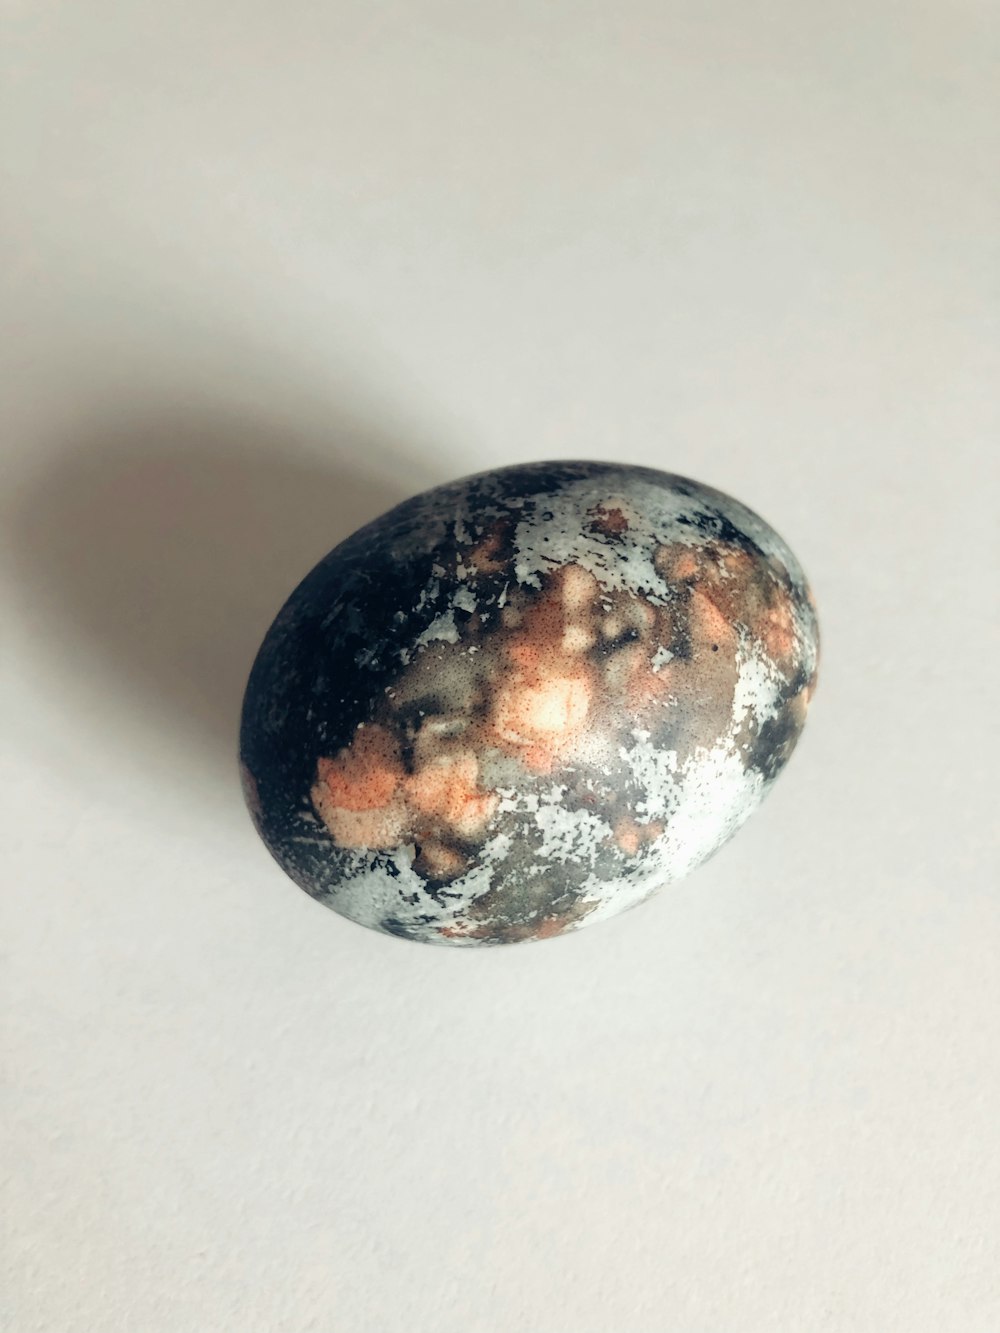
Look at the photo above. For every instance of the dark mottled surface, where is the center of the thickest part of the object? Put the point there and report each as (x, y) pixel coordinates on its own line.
(521, 702)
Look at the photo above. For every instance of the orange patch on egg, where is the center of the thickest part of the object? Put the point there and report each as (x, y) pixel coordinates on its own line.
(777, 629)
(366, 799)
(576, 586)
(557, 704)
(544, 703)
(439, 860)
(551, 926)
(379, 829)
(365, 775)
(685, 566)
(541, 712)
(708, 624)
(630, 835)
(484, 557)
(447, 790)
(645, 686)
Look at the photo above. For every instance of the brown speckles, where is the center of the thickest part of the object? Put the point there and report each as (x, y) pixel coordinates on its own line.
(382, 826)
(540, 708)
(445, 793)
(356, 793)
(487, 556)
(366, 775)
(709, 628)
(676, 564)
(576, 639)
(577, 589)
(609, 521)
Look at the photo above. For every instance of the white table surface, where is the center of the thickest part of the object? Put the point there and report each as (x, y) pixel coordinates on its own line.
(270, 267)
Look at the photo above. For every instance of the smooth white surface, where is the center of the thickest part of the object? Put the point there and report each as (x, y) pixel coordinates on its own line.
(270, 267)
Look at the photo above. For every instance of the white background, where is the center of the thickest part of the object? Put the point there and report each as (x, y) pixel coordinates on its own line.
(272, 266)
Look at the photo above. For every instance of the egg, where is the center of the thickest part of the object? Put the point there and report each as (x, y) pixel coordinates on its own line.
(522, 702)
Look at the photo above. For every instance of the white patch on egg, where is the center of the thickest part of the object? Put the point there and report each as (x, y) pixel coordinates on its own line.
(441, 627)
(570, 835)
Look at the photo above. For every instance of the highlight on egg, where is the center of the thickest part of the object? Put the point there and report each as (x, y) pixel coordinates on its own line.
(520, 703)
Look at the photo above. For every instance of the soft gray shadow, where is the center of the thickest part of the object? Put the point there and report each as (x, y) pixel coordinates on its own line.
(159, 550)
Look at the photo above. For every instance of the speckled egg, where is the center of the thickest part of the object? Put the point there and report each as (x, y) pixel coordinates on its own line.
(522, 702)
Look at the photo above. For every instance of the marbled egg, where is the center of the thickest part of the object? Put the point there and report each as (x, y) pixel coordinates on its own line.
(522, 702)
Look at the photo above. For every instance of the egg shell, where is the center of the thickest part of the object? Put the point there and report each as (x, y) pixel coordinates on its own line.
(520, 703)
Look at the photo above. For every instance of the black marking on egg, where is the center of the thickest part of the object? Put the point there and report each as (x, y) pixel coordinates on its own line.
(522, 702)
